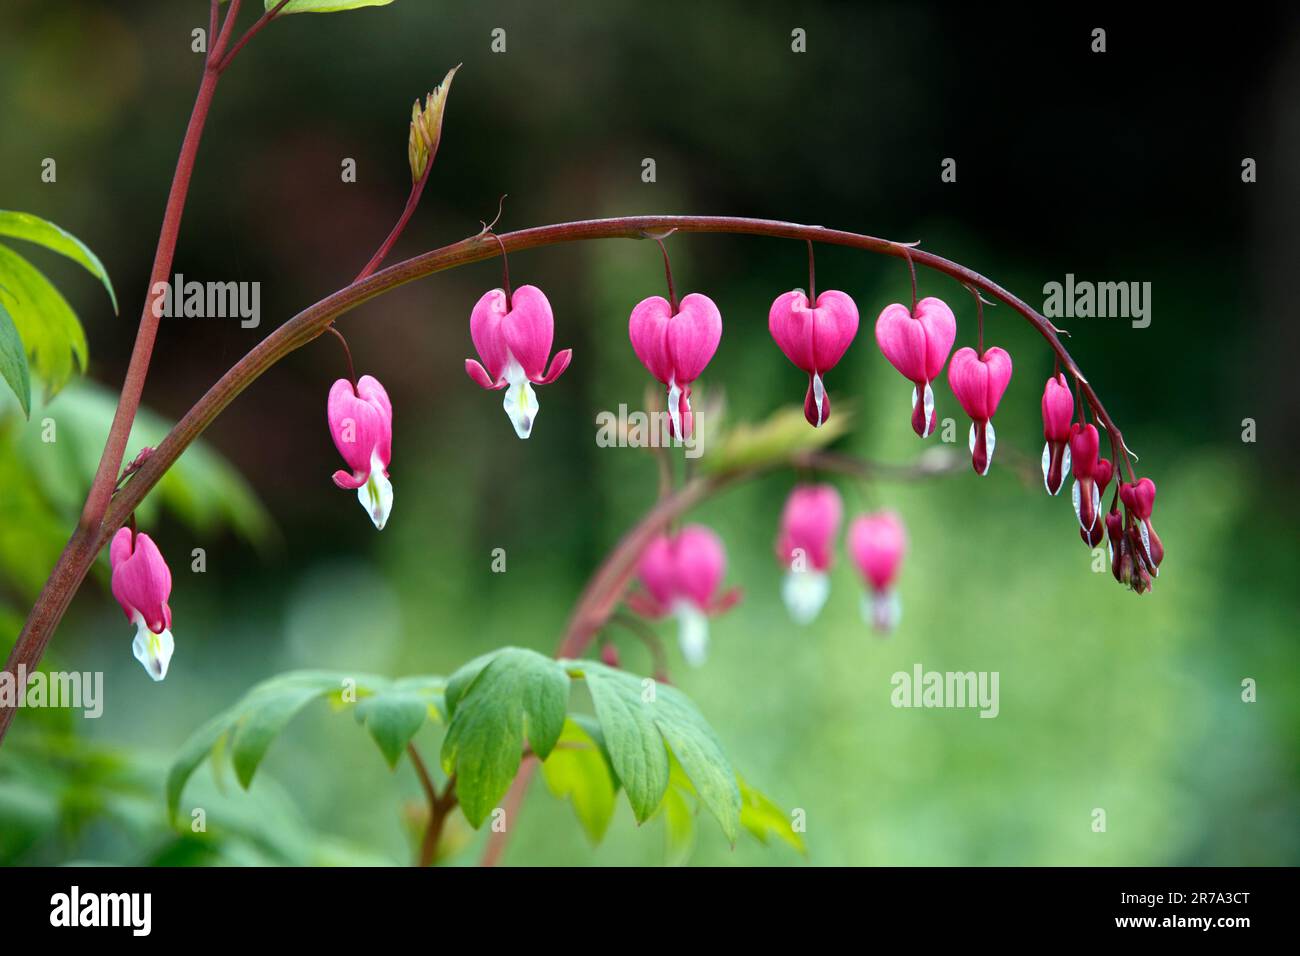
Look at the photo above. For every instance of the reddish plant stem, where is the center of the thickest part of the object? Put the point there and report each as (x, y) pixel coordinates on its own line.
(668, 272)
(386, 246)
(101, 488)
(440, 806)
(90, 537)
(497, 839)
(352, 369)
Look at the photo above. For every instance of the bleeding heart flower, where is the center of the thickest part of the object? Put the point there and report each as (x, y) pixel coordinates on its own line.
(361, 424)
(877, 543)
(810, 523)
(1139, 500)
(512, 333)
(142, 583)
(676, 347)
(1092, 475)
(978, 381)
(814, 339)
(1058, 416)
(917, 344)
(681, 575)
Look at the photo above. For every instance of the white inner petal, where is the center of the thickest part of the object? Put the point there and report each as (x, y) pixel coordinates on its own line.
(376, 495)
(520, 402)
(929, 410)
(990, 442)
(1047, 465)
(693, 633)
(152, 650)
(1077, 496)
(1066, 462)
(882, 610)
(805, 593)
(819, 396)
(674, 410)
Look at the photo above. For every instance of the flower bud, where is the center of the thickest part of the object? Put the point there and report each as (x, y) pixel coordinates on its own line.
(426, 127)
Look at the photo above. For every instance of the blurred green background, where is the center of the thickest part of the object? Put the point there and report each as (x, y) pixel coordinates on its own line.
(1123, 166)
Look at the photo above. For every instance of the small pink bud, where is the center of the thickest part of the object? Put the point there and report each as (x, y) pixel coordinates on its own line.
(814, 339)
(680, 575)
(676, 348)
(142, 584)
(917, 344)
(1058, 416)
(979, 382)
(609, 654)
(1086, 495)
(810, 523)
(877, 543)
(513, 336)
(361, 424)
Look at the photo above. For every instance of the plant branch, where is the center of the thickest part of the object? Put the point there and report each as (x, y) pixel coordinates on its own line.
(92, 534)
(440, 806)
(252, 31)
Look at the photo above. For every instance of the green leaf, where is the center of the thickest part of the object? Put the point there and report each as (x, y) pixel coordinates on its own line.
(679, 826)
(323, 6)
(636, 748)
(764, 819)
(254, 722)
(577, 770)
(492, 703)
(201, 488)
(23, 225)
(776, 439)
(48, 326)
(13, 361)
(393, 718)
(642, 723)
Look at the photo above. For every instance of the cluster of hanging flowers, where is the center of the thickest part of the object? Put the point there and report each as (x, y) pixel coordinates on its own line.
(805, 546)
(681, 574)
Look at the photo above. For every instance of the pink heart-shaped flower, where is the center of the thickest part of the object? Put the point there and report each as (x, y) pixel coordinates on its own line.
(979, 381)
(813, 338)
(917, 344)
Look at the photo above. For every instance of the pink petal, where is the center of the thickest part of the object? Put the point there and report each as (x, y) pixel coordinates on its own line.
(902, 340)
(485, 330)
(481, 377)
(789, 320)
(558, 364)
(877, 543)
(700, 563)
(356, 426)
(693, 336)
(940, 332)
(142, 582)
(1058, 409)
(528, 329)
(810, 522)
(648, 329)
(655, 570)
(835, 323)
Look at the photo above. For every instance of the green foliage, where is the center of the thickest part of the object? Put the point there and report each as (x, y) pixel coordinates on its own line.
(322, 6)
(32, 311)
(59, 791)
(771, 442)
(490, 702)
(13, 360)
(247, 729)
(645, 738)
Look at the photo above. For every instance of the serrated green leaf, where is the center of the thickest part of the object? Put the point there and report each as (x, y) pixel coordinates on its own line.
(23, 225)
(393, 718)
(679, 826)
(636, 748)
(641, 728)
(253, 723)
(493, 703)
(50, 331)
(577, 770)
(13, 361)
(201, 488)
(764, 819)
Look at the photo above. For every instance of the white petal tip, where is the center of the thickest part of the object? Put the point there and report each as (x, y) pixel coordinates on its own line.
(376, 495)
(804, 594)
(153, 651)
